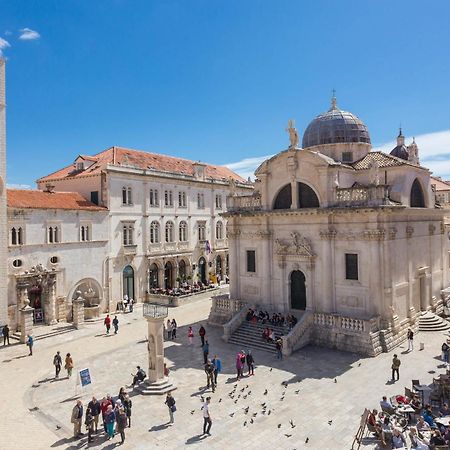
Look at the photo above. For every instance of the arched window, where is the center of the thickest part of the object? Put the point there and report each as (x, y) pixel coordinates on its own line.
(284, 198)
(182, 269)
(16, 236)
(417, 199)
(169, 232)
(219, 230)
(154, 232)
(307, 198)
(182, 231)
(153, 281)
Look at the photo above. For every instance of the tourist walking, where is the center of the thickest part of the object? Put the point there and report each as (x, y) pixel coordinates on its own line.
(205, 349)
(115, 323)
(174, 329)
(217, 367)
(5, 334)
(110, 419)
(68, 365)
(94, 406)
(170, 402)
(77, 417)
(130, 305)
(239, 366)
(107, 323)
(410, 337)
(121, 420)
(250, 363)
(202, 333)
(445, 351)
(207, 420)
(89, 422)
(127, 403)
(30, 343)
(279, 348)
(104, 408)
(209, 370)
(190, 335)
(169, 329)
(395, 368)
(57, 362)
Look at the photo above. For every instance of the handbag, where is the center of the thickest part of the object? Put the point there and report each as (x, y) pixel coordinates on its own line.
(173, 408)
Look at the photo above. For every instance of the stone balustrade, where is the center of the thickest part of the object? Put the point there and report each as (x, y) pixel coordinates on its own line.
(224, 308)
(298, 337)
(346, 324)
(373, 195)
(244, 203)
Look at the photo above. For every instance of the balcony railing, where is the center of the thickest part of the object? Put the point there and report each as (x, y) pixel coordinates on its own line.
(129, 249)
(362, 196)
(154, 311)
(244, 203)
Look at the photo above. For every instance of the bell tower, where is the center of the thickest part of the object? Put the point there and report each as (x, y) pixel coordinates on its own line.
(3, 212)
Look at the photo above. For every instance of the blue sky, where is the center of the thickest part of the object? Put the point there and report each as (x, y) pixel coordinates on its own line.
(217, 80)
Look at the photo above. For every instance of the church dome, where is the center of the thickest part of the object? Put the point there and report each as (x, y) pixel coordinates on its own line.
(400, 151)
(335, 127)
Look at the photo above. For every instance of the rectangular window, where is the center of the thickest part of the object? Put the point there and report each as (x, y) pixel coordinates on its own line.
(251, 261)
(94, 197)
(154, 197)
(85, 233)
(347, 156)
(53, 234)
(128, 231)
(202, 231)
(168, 198)
(351, 266)
(218, 201)
(200, 201)
(182, 199)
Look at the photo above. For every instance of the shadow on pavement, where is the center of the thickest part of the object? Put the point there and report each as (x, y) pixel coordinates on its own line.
(196, 438)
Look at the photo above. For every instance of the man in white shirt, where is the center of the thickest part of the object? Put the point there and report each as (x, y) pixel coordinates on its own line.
(207, 422)
(386, 405)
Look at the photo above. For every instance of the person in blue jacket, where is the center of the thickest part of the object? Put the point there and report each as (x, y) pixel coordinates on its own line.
(217, 367)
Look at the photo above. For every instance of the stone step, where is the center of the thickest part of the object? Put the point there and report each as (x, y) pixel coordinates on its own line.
(45, 335)
(432, 322)
(251, 344)
(157, 388)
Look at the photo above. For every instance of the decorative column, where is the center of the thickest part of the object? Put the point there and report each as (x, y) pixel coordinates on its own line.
(78, 311)
(26, 321)
(22, 298)
(50, 303)
(156, 383)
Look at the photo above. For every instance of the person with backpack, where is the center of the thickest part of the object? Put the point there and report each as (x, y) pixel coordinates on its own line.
(127, 403)
(68, 365)
(115, 323)
(89, 422)
(205, 349)
(202, 333)
(139, 377)
(217, 367)
(57, 362)
(170, 402)
(250, 363)
(107, 323)
(174, 329)
(209, 370)
(445, 351)
(30, 343)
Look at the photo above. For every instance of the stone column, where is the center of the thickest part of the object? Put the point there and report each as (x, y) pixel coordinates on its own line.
(50, 302)
(78, 311)
(26, 321)
(22, 298)
(155, 348)
(294, 192)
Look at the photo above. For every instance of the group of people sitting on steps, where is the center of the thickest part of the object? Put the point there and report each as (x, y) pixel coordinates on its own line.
(277, 319)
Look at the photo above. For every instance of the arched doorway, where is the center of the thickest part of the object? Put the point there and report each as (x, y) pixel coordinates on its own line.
(202, 269)
(219, 270)
(35, 294)
(153, 281)
(128, 282)
(417, 199)
(298, 290)
(168, 275)
(182, 270)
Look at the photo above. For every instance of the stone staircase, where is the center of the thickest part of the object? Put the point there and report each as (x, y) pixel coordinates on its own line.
(45, 331)
(432, 322)
(249, 336)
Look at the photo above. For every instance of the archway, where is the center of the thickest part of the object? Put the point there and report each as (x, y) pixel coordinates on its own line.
(307, 198)
(298, 290)
(91, 291)
(128, 282)
(417, 199)
(35, 295)
(283, 199)
(219, 270)
(168, 275)
(202, 269)
(182, 270)
(153, 277)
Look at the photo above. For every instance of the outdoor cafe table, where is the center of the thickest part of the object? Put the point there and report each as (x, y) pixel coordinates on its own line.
(425, 392)
(443, 420)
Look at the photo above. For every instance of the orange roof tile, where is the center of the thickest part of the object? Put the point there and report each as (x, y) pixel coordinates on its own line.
(138, 159)
(21, 198)
(441, 185)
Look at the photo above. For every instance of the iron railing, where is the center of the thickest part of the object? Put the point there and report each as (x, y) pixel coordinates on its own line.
(155, 311)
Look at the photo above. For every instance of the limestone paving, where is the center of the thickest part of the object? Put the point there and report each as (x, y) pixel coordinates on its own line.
(324, 391)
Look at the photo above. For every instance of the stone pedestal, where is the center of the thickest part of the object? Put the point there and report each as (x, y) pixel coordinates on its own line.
(78, 312)
(50, 303)
(26, 321)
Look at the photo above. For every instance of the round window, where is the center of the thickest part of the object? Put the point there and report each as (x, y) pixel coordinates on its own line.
(54, 260)
(17, 263)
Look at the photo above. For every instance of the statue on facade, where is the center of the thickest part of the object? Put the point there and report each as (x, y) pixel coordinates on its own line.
(293, 135)
(232, 183)
(374, 173)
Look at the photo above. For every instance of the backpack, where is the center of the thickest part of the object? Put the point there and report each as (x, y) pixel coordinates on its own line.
(142, 374)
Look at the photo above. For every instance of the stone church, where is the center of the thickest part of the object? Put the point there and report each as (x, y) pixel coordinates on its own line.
(349, 239)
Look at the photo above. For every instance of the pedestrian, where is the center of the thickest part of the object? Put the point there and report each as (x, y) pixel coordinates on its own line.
(395, 367)
(250, 363)
(57, 362)
(127, 403)
(30, 343)
(410, 337)
(174, 329)
(202, 333)
(445, 350)
(217, 367)
(122, 393)
(94, 406)
(190, 335)
(209, 370)
(279, 347)
(121, 420)
(110, 419)
(169, 329)
(89, 422)
(107, 323)
(207, 421)
(5, 334)
(104, 408)
(130, 305)
(77, 417)
(239, 366)
(115, 323)
(205, 349)
(243, 359)
(170, 402)
(68, 365)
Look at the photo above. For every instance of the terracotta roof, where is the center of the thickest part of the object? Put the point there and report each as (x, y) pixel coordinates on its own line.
(441, 185)
(21, 198)
(383, 160)
(120, 156)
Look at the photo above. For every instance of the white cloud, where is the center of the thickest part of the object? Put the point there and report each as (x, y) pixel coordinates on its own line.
(3, 44)
(18, 186)
(27, 34)
(434, 153)
(8, 33)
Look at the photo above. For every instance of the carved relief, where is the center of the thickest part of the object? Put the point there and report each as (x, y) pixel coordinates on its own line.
(298, 246)
(392, 233)
(409, 231)
(256, 235)
(374, 235)
(328, 234)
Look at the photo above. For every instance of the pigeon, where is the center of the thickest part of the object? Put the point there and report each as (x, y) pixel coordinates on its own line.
(282, 398)
(246, 386)
(297, 391)
(251, 420)
(263, 412)
(335, 380)
(239, 396)
(244, 396)
(271, 369)
(243, 389)
(255, 414)
(306, 440)
(263, 404)
(292, 424)
(249, 392)
(202, 398)
(220, 400)
(359, 365)
(245, 423)
(58, 427)
(279, 425)
(330, 422)
(246, 410)
(235, 386)
(265, 392)
(236, 401)
(232, 414)
(269, 412)
(288, 435)
(193, 411)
